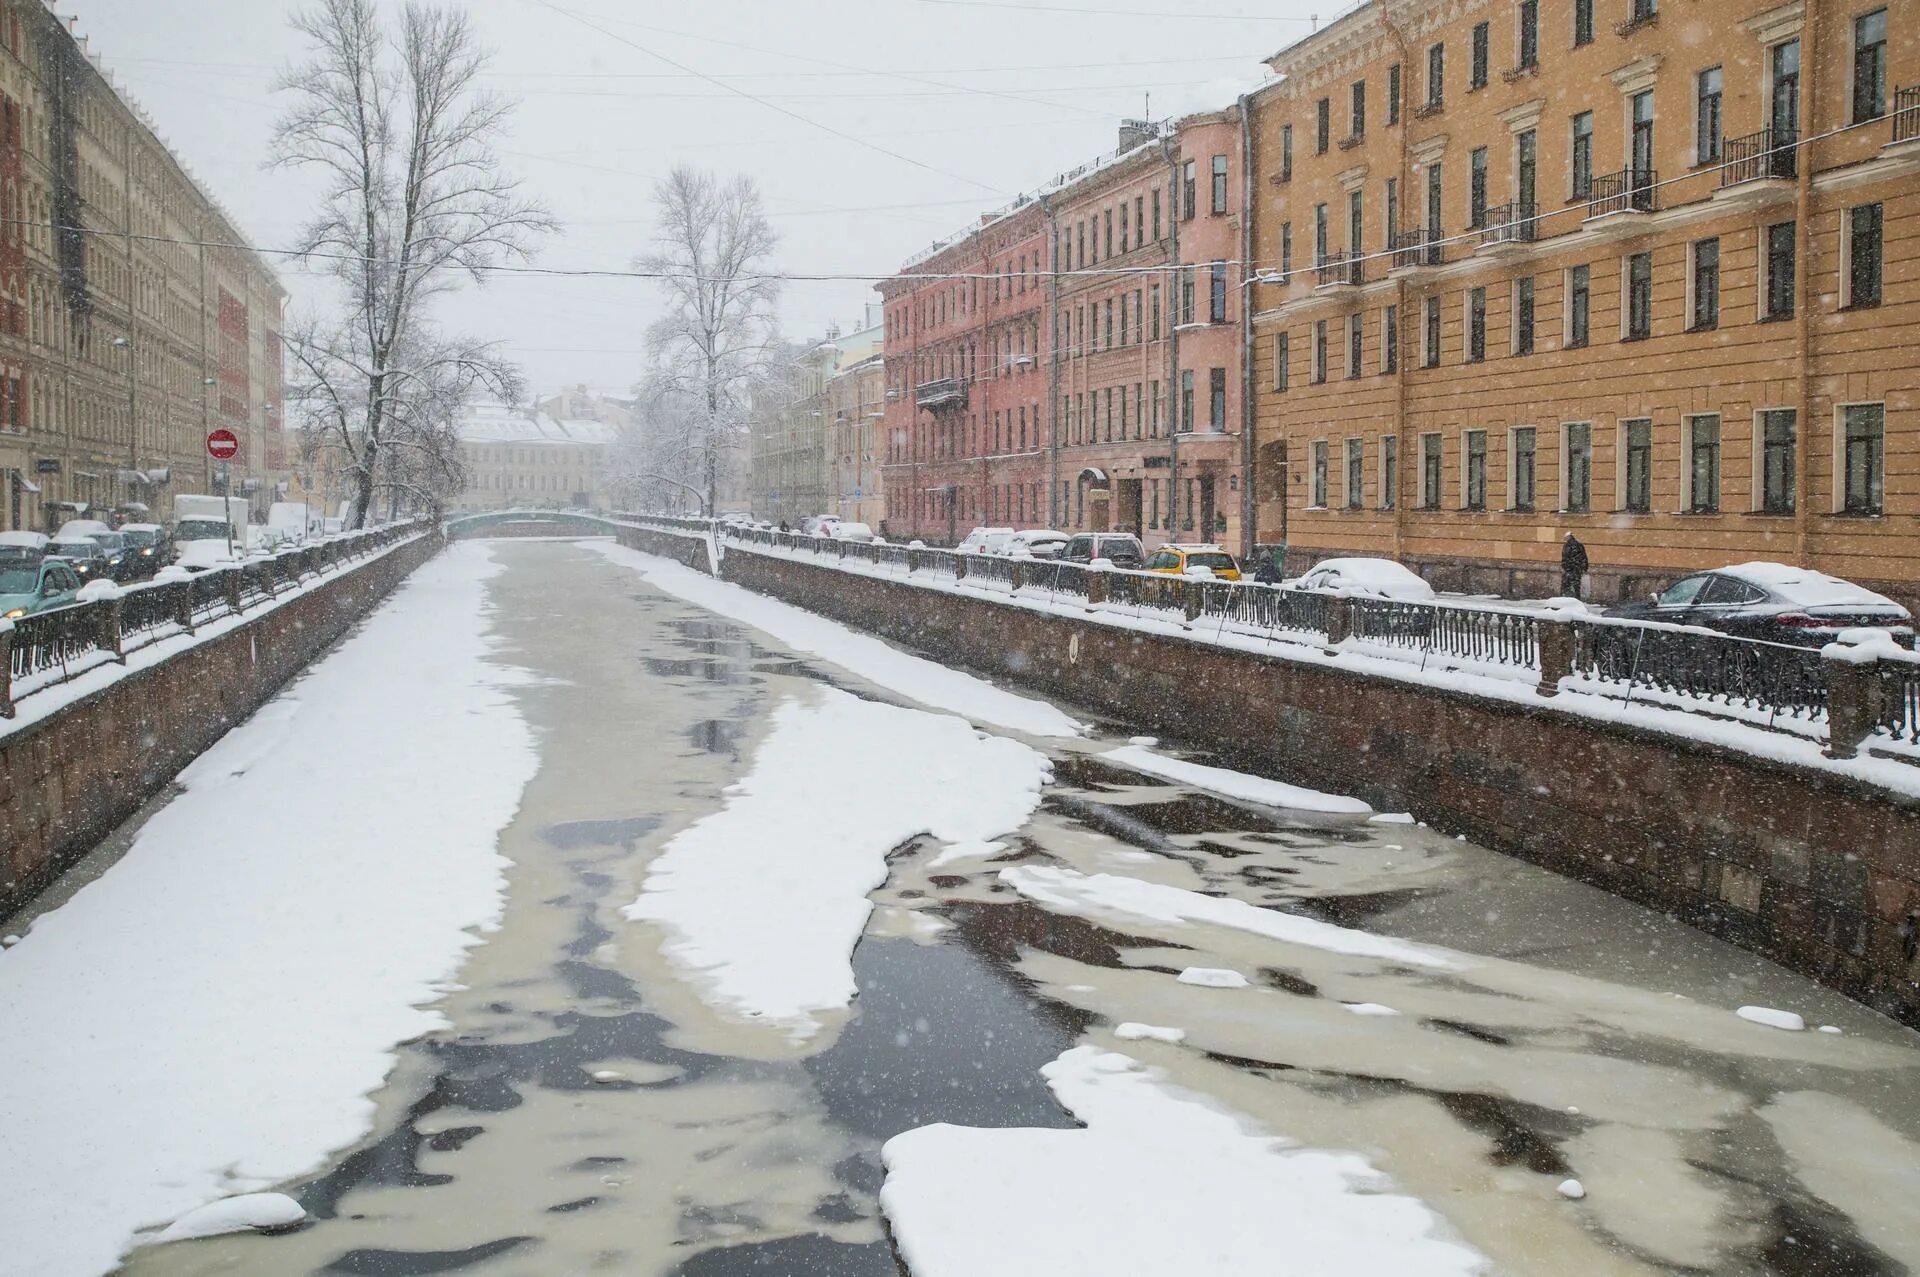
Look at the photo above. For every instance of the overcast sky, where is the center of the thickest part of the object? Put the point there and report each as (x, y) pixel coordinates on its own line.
(976, 99)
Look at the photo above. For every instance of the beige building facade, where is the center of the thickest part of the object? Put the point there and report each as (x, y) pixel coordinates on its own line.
(122, 344)
(1640, 270)
(524, 458)
(856, 407)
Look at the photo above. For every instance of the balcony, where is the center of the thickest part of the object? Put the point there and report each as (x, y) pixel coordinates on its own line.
(1906, 114)
(1644, 15)
(1509, 226)
(1339, 270)
(1630, 191)
(1351, 140)
(1415, 249)
(948, 392)
(1758, 167)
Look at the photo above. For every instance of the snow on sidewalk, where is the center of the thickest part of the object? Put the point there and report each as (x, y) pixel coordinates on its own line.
(209, 1017)
(912, 676)
(1232, 784)
(1110, 896)
(1161, 1181)
(763, 901)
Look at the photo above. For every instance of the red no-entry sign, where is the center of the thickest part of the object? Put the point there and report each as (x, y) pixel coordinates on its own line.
(223, 445)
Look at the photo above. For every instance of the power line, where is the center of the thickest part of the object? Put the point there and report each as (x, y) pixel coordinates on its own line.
(847, 71)
(1110, 13)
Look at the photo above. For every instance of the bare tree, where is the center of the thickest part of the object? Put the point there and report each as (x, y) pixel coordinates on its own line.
(416, 200)
(713, 249)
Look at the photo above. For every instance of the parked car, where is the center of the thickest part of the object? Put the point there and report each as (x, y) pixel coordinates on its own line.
(1122, 549)
(1775, 602)
(985, 541)
(818, 525)
(1381, 578)
(150, 544)
(1039, 543)
(36, 587)
(82, 554)
(1182, 560)
(852, 532)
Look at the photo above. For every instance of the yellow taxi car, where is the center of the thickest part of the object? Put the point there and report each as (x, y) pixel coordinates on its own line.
(1176, 559)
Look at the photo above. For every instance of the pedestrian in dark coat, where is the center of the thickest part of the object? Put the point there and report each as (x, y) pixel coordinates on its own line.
(1268, 573)
(1573, 566)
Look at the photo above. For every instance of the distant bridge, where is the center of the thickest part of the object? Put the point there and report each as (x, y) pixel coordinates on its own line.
(531, 523)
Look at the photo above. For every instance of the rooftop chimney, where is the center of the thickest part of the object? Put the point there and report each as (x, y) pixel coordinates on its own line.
(1136, 133)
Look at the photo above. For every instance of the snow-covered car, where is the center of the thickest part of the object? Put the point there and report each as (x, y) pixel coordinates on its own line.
(206, 553)
(148, 543)
(819, 525)
(83, 554)
(1121, 549)
(1379, 578)
(19, 549)
(1775, 602)
(74, 529)
(1040, 543)
(985, 541)
(851, 532)
(1194, 560)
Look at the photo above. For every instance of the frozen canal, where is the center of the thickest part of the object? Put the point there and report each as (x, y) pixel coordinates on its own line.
(784, 972)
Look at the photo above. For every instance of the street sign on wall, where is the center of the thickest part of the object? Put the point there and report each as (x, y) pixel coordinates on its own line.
(223, 445)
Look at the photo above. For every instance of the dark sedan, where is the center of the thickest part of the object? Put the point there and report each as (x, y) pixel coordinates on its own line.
(84, 555)
(1774, 602)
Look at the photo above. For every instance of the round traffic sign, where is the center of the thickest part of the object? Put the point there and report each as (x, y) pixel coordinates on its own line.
(223, 445)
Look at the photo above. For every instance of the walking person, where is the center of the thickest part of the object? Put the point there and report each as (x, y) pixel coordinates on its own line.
(1573, 567)
(1268, 573)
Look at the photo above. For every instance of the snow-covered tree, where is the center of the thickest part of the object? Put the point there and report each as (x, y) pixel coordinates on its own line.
(415, 201)
(713, 249)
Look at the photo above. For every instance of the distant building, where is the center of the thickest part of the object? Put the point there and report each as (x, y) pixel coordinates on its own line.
(856, 406)
(616, 407)
(787, 440)
(525, 457)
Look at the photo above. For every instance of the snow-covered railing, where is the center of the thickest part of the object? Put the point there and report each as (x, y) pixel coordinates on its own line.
(49, 648)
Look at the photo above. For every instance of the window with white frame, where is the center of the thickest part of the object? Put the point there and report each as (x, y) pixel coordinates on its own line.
(1356, 471)
(1700, 446)
(1430, 477)
(1860, 451)
(1576, 467)
(1522, 460)
(1319, 473)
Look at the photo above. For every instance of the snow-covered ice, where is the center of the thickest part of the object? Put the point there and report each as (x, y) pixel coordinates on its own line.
(249, 1211)
(1134, 1031)
(1773, 1018)
(1212, 978)
(1391, 818)
(208, 1017)
(763, 901)
(1572, 1189)
(1110, 895)
(1369, 1008)
(1127, 1195)
(912, 676)
(1233, 784)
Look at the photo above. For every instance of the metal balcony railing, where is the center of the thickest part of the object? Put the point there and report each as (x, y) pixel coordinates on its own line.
(1340, 268)
(1417, 247)
(1629, 190)
(1770, 153)
(947, 392)
(1906, 113)
(1515, 223)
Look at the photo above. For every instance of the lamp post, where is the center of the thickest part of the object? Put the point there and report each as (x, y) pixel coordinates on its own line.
(206, 428)
(133, 403)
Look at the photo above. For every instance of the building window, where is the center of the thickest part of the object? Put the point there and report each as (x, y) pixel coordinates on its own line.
(1217, 295)
(1582, 22)
(1429, 472)
(1523, 315)
(1319, 234)
(1777, 459)
(1357, 113)
(1280, 361)
(1430, 346)
(1474, 480)
(1706, 117)
(1639, 464)
(1189, 197)
(1863, 461)
(1186, 295)
(1354, 322)
(1524, 451)
(1476, 325)
(1639, 296)
(1156, 204)
(1529, 33)
(1778, 298)
(1356, 469)
(1219, 184)
(1319, 351)
(1869, 66)
(1436, 76)
(1577, 449)
(1393, 94)
(1480, 41)
(1319, 473)
(1186, 401)
(1322, 125)
(1579, 305)
(1286, 152)
(1390, 339)
(1863, 256)
(1703, 464)
(1477, 188)
(1582, 153)
(1217, 398)
(1706, 284)
(1286, 250)
(1389, 471)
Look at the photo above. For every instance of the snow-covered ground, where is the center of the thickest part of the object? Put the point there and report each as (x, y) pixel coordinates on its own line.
(1233, 784)
(1161, 1181)
(208, 1017)
(912, 676)
(763, 901)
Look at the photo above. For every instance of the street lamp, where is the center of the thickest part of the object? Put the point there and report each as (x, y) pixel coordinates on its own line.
(133, 417)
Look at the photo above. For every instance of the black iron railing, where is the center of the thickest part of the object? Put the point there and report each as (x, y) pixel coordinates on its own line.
(1900, 700)
(1340, 268)
(1151, 590)
(1417, 247)
(1631, 190)
(1906, 113)
(1515, 223)
(1770, 153)
(1267, 607)
(1773, 678)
